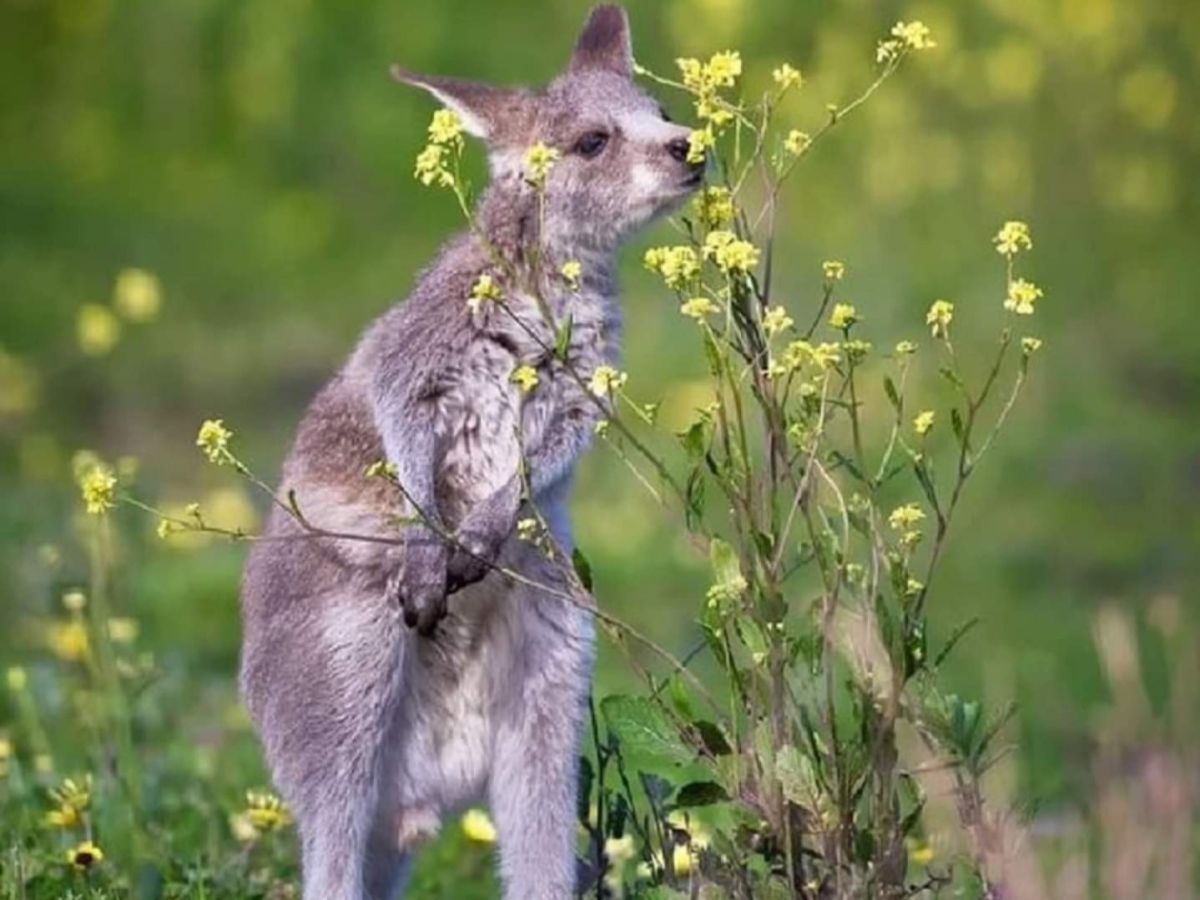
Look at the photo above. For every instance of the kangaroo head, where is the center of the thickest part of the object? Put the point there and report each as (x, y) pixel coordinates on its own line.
(621, 162)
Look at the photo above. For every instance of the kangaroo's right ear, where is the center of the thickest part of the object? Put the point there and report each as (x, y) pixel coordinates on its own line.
(481, 107)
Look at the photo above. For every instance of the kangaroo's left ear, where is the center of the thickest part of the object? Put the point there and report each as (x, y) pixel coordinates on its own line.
(604, 42)
(483, 109)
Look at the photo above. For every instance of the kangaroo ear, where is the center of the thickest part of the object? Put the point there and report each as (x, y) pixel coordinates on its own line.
(604, 42)
(481, 107)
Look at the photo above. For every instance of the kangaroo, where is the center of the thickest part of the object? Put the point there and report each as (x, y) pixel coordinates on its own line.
(395, 683)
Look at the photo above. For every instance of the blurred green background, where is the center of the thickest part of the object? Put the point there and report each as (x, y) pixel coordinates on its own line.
(257, 160)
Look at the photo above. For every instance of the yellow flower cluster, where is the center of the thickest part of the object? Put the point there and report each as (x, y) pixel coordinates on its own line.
(939, 317)
(706, 80)
(677, 265)
(606, 381)
(266, 812)
(904, 519)
(905, 348)
(98, 486)
(833, 270)
(799, 353)
(796, 142)
(71, 801)
(699, 307)
(714, 207)
(1030, 345)
(1022, 295)
(539, 160)
(485, 290)
(1012, 238)
(730, 253)
(787, 77)
(775, 320)
(905, 36)
(923, 423)
(525, 377)
(843, 316)
(572, 272)
(445, 141)
(213, 440)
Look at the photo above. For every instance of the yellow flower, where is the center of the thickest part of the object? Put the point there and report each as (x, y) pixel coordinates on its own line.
(939, 317)
(97, 329)
(16, 679)
(242, 828)
(138, 295)
(606, 380)
(74, 601)
(527, 529)
(213, 440)
(724, 68)
(905, 348)
(886, 51)
(68, 640)
(915, 35)
(572, 271)
(843, 316)
(699, 307)
(775, 320)
(714, 206)
(164, 529)
(525, 377)
(825, 355)
(1022, 295)
(796, 142)
(903, 518)
(920, 852)
(84, 856)
(431, 166)
(1030, 345)
(484, 290)
(445, 128)
(787, 77)
(923, 422)
(477, 826)
(266, 812)
(539, 160)
(912, 587)
(72, 799)
(122, 630)
(699, 143)
(833, 270)
(856, 351)
(729, 252)
(98, 487)
(1012, 238)
(693, 73)
(677, 265)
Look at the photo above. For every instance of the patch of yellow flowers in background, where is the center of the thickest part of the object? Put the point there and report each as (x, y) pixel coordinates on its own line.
(137, 298)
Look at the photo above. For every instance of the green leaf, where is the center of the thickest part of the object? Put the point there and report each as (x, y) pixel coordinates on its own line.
(956, 423)
(727, 570)
(797, 777)
(713, 737)
(562, 341)
(700, 793)
(644, 731)
(889, 388)
(583, 568)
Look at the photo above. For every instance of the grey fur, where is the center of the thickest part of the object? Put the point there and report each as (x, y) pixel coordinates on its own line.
(376, 732)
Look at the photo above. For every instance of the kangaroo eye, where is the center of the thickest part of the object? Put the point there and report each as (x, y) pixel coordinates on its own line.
(591, 144)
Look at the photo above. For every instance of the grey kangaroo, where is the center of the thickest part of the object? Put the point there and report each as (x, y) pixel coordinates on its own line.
(394, 684)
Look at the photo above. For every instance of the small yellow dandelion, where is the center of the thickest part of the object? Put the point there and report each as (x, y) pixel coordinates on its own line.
(843, 316)
(923, 422)
(84, 856)
(606, 380)
(1012, 238)
(213, 439)
(98, 487)
(939, 317)
(698, 307)
(775, 320)
(1022, 295)
(477, 826)
(525, 377)
(539, 160)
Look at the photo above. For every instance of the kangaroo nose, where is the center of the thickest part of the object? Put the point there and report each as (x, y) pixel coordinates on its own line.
(678, 148)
